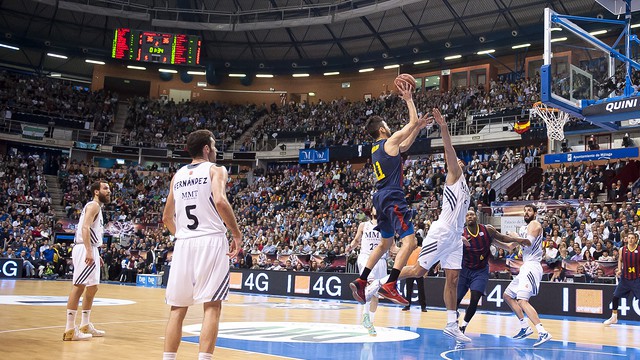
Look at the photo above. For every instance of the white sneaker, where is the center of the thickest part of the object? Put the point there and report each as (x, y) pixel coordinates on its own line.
(75, 335)
(542, 338)
(371, 290)
(453, 331)
(612, 320)
(89, 329)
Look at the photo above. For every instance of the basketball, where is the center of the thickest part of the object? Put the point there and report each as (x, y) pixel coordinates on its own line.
(405, 78)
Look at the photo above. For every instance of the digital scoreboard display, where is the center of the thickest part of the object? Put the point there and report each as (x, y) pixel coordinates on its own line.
(155, 47)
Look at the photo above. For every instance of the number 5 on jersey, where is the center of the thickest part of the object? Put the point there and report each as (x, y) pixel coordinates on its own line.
(191, 217)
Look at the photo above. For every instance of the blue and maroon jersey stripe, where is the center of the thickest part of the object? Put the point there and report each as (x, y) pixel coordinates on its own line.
(477, 255)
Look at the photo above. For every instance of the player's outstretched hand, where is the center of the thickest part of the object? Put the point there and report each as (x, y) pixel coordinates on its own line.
(406, 91)
(438, 117)
(234, 247)
(425, 121)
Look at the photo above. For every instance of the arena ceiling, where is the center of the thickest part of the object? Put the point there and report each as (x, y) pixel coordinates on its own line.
(281, 35)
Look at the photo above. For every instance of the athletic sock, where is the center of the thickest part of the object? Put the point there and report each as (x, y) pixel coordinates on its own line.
(452, 316)
(85, 317)
(205, 356)
(365, 274)
(523, 323)
(394, 275)
(540, 329)
(464, 323)
(71, 319)
(169, 356)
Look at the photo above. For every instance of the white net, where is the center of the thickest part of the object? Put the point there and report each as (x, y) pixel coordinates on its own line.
(554, 118)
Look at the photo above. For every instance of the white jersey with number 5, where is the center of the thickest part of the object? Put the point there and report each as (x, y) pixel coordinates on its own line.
(370, 239)
(195, 212)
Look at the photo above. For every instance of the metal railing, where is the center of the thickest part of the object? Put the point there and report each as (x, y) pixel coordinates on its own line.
(14, 127)
(468, 126)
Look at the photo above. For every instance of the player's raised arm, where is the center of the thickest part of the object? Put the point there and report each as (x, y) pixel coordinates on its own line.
(496, 235)
(454, 169)
(423, 122)
(392, 146)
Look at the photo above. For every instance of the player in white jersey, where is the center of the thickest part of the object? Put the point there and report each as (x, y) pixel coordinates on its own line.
(368, 239)
(527, 283)
(444, 239)
(196, 212)
(86, 270)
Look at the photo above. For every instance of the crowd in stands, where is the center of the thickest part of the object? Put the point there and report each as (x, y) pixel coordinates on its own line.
(582, 181)
(285, 209)
(138, 195)
(157, 123)
(291, 209)
(25, 210)
(40, 95)
(340, 122)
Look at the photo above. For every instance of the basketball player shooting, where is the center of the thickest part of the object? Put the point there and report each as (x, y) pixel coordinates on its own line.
(393, 213)
(444, 242)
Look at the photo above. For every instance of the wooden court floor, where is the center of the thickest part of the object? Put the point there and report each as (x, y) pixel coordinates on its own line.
(32, 319)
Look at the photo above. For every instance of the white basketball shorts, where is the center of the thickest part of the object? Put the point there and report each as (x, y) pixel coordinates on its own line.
(379, 270)
(442, 244)
(527, 283)
(199, 271)
(84, 274)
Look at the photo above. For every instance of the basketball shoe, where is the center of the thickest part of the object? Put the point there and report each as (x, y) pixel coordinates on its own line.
(524, 332)
(371, 290)
(542, 338)
(75, 335)
(390, 292)
(357, 287)
(612, 320)
(89, 329)
(366, 322)
(453, 331)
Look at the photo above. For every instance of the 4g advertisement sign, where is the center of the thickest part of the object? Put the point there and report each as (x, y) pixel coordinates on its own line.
(305, 284)
(10, 268)
(562, 299)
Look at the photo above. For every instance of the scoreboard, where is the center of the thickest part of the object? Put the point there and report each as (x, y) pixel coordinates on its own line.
(155, 47)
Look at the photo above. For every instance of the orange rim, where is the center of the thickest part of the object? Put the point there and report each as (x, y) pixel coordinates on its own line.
(541, 107)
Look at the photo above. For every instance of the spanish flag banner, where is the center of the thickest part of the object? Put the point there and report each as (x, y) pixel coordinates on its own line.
(522, 126)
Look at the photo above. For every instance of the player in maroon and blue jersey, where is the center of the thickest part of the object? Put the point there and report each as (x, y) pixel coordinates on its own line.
(393, 213)
(475, 261)
(628, 267)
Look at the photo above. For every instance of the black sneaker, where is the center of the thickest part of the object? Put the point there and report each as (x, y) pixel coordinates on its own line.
(406, 308)
(463, 329)
(424, 309)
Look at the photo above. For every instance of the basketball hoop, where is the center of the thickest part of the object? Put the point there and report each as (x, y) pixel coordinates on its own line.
(554, 118)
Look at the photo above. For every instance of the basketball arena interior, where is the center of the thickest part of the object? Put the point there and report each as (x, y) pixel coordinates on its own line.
(539, 97)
